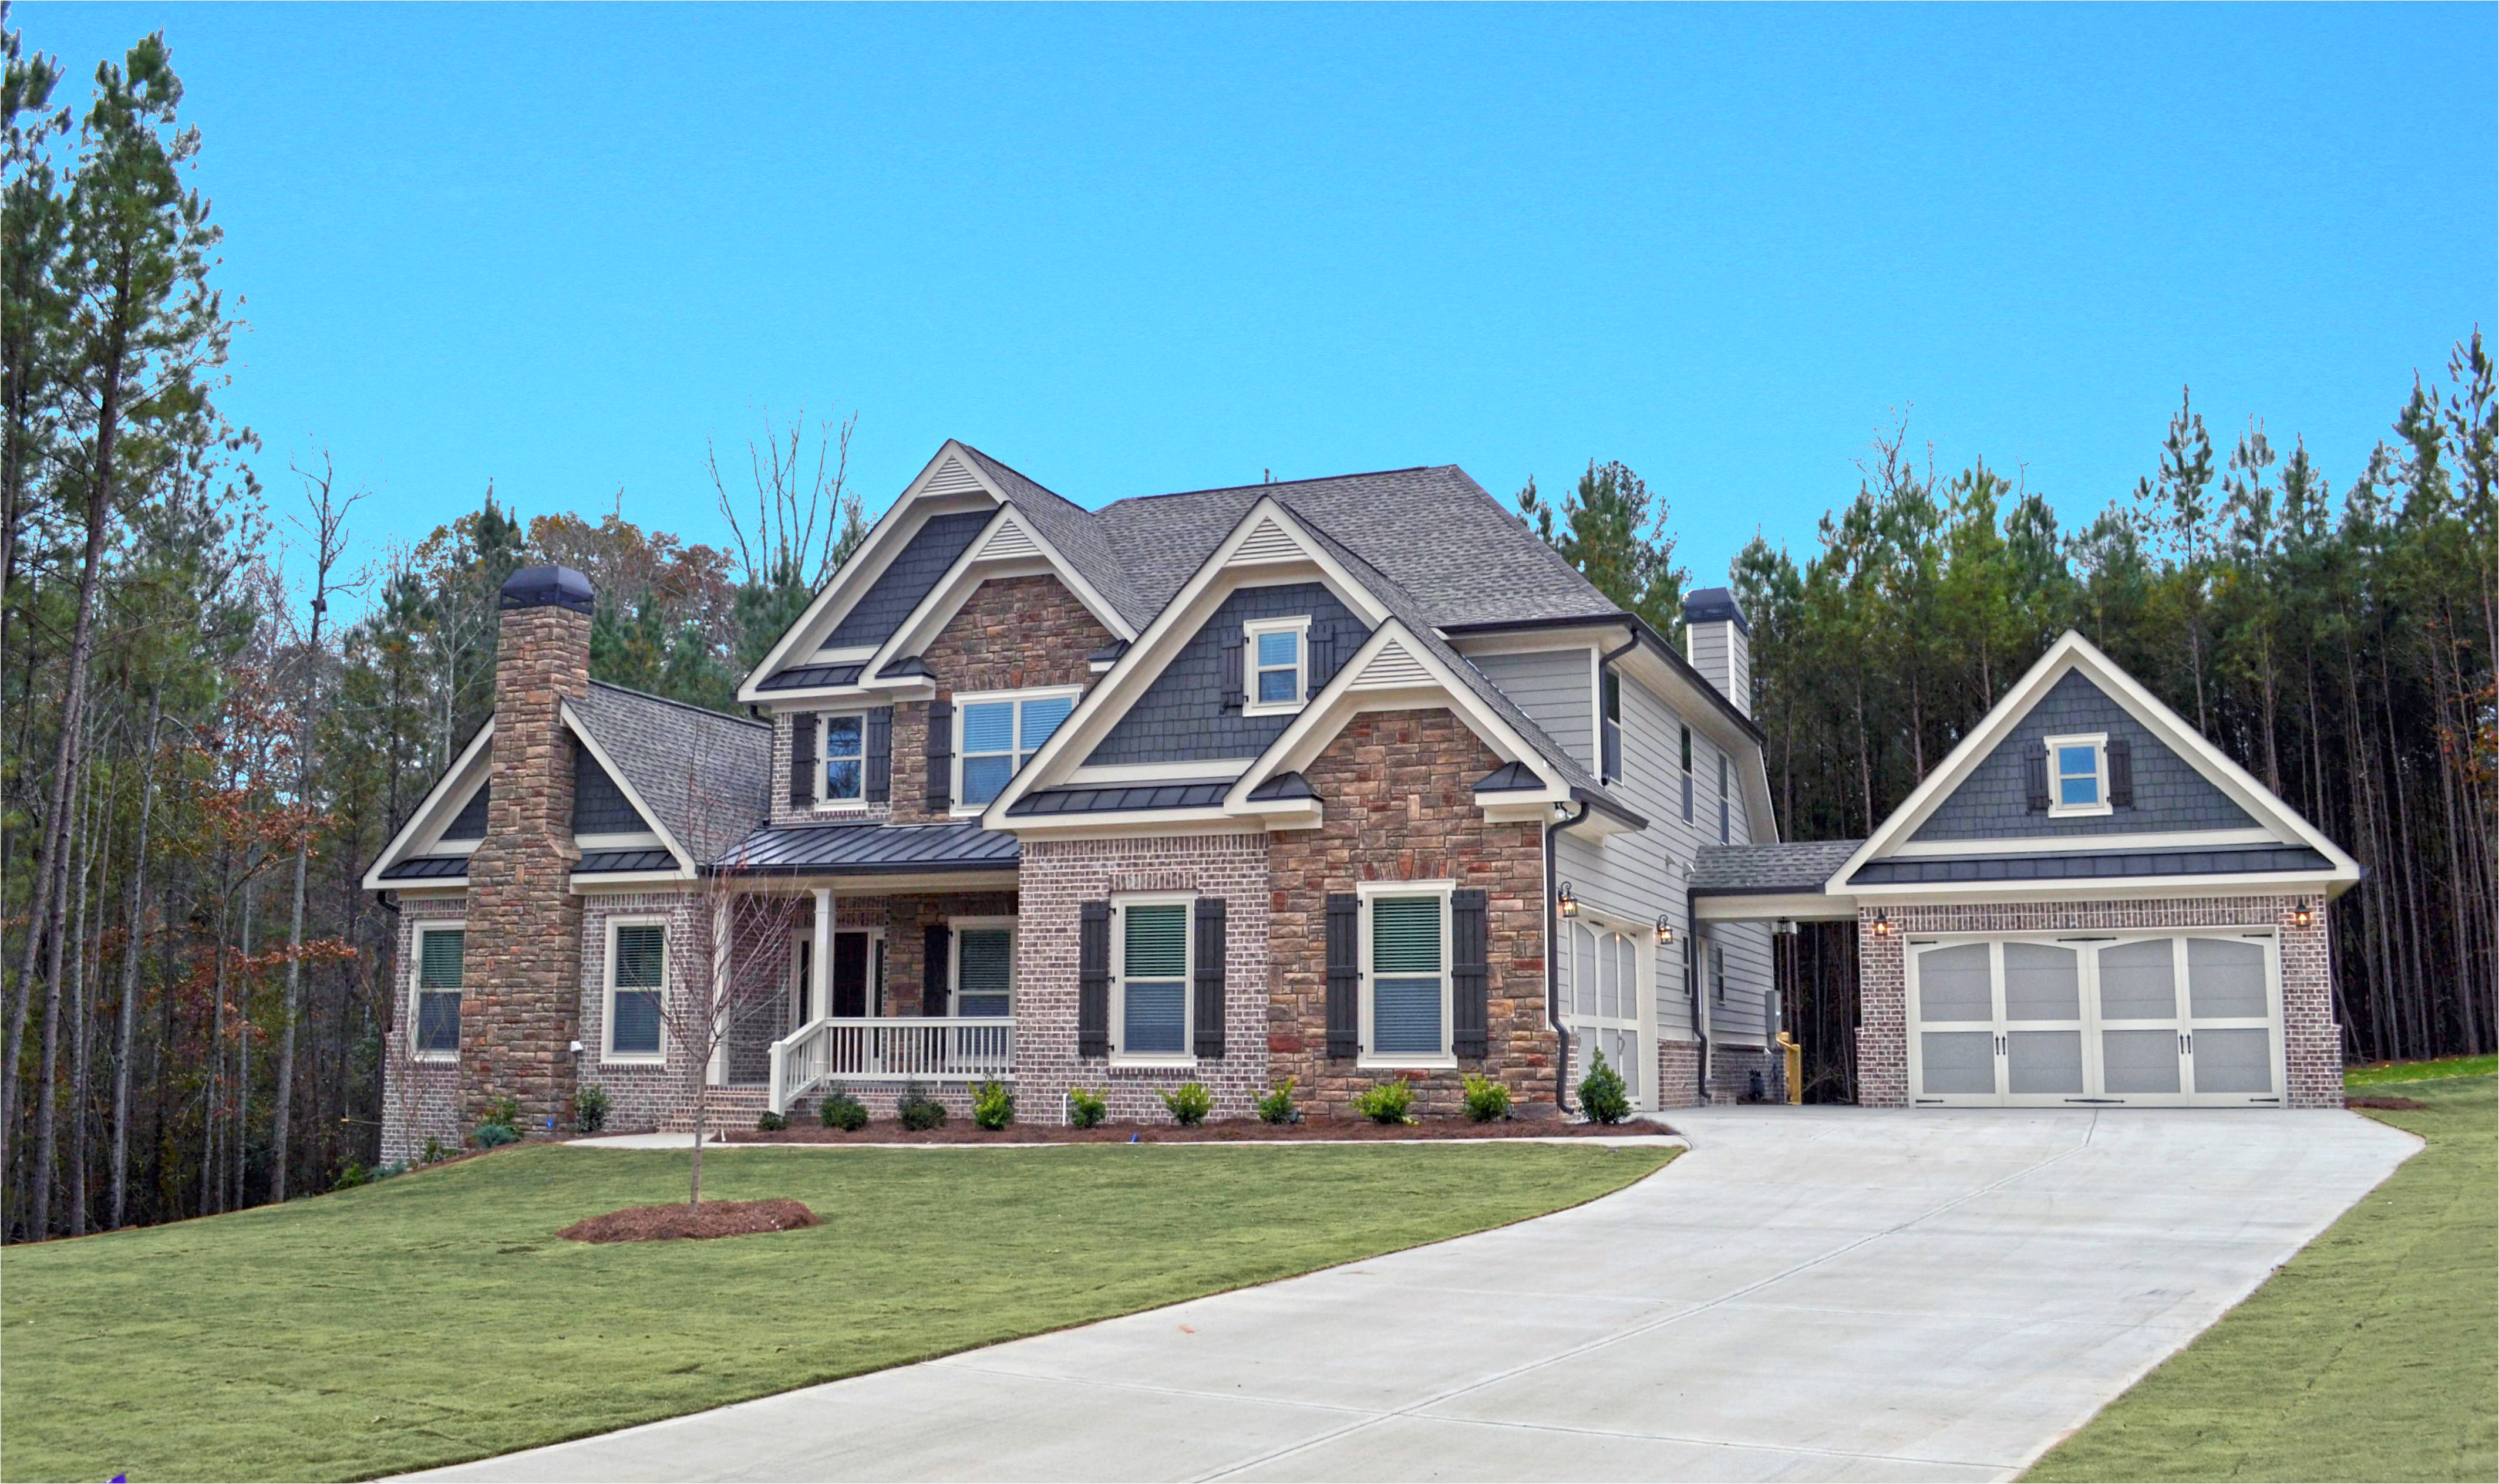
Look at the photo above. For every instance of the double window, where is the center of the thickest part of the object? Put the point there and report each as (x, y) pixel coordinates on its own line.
(1150, 977)
(984, 968)
(434, 1006)
(1405, 950)
(995, 734)
(1279, 665)
(841, 741)
(638, 985)
(2078, 775)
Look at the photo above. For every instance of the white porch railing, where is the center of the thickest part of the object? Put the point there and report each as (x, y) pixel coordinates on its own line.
(890, 1050)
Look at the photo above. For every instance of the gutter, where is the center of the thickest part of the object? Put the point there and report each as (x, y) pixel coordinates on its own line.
(1641, 633)
(1553, 966)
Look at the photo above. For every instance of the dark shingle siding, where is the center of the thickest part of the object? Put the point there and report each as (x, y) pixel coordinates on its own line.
(2116, 864)
(701, 772)
(1180, 716)
(470, 822)
(1993, 803)
(924, 558)
(599, 806)
(1734, 870)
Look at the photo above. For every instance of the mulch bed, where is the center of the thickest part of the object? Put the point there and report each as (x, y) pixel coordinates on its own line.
(2385, 1102)
(1229, 1130)
(712, 1219)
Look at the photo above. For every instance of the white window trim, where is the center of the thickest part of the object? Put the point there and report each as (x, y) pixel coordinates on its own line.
(955, 960)
(416, 971)
(1119, 904)
(1445, 891)
(2058, 808)
(1300, 629)
(840, 805)
(968, 698)
(607, 1052)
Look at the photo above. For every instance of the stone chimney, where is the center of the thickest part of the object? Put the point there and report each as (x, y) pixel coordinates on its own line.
(1718, 640)
(521, 1004)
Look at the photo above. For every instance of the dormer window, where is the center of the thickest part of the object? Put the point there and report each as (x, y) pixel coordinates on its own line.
(2078, 775)
(1279, 665)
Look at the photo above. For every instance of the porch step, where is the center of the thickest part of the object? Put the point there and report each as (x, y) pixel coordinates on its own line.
(730, 1108)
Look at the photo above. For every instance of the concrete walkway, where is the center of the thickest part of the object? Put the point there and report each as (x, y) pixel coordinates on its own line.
(1809, 1294)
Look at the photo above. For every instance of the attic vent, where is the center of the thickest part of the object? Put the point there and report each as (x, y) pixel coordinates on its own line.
(950, 478)
(1268, 543)
(1011, 539)
(1393, 666)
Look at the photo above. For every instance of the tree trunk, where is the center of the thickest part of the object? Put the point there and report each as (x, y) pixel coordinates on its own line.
(135, 937)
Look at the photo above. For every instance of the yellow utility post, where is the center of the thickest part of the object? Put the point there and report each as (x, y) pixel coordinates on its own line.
(1794, 1050)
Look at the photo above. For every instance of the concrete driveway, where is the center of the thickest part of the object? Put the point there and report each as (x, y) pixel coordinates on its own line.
(1810, 1294)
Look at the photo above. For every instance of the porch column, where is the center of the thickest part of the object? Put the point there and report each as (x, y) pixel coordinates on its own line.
(820, 962)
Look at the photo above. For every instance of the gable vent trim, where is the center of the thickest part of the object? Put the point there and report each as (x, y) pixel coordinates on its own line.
(1268, 543)
(1011, 539)
(1393, 666)
(952, 478)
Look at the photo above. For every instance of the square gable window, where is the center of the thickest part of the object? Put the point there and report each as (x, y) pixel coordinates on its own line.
(2078, 775)
(1279, 665)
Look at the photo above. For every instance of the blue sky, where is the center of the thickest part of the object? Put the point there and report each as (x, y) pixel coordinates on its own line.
(1135, 249)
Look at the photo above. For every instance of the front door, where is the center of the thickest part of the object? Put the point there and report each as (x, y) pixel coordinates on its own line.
(849, 976)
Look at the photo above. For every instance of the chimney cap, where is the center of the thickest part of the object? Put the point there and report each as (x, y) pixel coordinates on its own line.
(548, 587)
(1715, 606)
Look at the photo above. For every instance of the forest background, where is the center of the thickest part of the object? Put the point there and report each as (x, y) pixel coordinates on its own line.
(199, 752)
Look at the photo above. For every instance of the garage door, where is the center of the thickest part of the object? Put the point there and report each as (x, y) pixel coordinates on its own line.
(1603, 1009)
(2167, 1019)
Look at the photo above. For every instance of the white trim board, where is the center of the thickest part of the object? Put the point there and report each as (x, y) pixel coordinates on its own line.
(424, 824)
(669, 842)
(1008, 546)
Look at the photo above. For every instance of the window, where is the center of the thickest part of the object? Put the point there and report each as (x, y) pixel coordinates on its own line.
(1612, 744)
(983, 969)
(1279, 665)
(638, 976)
(843, 741)
(1724, 818)
(438, 970)
(2078, 775)
(1405, 1000)
(1717, 974)
(998, 734)
(1687, 775)
(1152, 978)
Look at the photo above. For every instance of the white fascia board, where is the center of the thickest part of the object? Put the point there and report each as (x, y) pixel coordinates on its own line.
(1151, 651)
(433, 815)
(1535, 641)
(976, 565)
(885, 540)
(1116, 774)
(1694, 705)
(641, 806)
(626, 881)
(1771, 906)
(1134, 822)
(2067, 845)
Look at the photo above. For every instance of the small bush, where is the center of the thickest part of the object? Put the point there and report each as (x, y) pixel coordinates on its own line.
(508, 1112)
(1487, 1101)
(770, 1122)
(590, 1107)
(491, 1135)
(435, 1153)
(395, 1167)
(1388, 1102)
(1276, 1107)
(1085, 1109)
(843, 1112)
(350, 1176)
(1601, 1094)
(918, 1110)
(992, 1106)
(1190, 1103)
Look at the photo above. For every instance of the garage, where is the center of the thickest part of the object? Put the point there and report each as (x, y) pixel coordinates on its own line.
(2165, 1019)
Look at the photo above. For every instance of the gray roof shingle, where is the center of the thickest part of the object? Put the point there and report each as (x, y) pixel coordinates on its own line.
(702, 773)
(1743, 870)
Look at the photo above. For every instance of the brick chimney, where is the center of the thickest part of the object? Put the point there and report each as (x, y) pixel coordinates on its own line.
(1718, 640)
(520, 1006)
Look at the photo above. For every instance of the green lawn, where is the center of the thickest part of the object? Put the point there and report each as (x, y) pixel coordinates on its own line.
(2419, 1071)
(436, 1317)
(2374, 1354)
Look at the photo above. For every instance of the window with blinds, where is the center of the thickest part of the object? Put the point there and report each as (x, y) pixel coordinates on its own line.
(983, 972)
(1407, 977)
(438, 970)
(999, 736)
(638, 970)
(1154, 979)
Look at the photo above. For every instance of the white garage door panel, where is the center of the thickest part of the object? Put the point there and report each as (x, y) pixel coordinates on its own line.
(2176, 1017)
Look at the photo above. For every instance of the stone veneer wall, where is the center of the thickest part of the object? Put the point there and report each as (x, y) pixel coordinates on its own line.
(518, 1016)
(1398, 789)
(2311, 1043)
(1011, 635)
(420, 1099)
(1059, 876)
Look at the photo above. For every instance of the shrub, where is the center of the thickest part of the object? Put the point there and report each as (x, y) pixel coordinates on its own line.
(491, 1135)
(435, 1153)
(1388, 1102)
(1085, 1109)
(770, 1122)
(1601, 1094)
(1276, 1107)
(508, 1112)
(1487, 1101)
(1190, 1103)
(352, 1174)
(843, 1112)
(918, 1110)
(992, 1106)
(590, 1107)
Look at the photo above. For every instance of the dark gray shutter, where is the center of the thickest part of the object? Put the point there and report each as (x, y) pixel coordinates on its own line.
(941, 754)
(1323, 653)
(935, 968)
(880, 756)
(1344, 976)
(1208, 978)
(1093, 979)
(1470, 974)
(803, 761)
(2120, 767)
(1235, 688)
(2038, 773)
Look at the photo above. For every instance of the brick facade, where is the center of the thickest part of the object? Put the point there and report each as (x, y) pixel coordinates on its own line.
(1398, 788)
(420, 1099)
(1678, 1074)
(2311, 1043)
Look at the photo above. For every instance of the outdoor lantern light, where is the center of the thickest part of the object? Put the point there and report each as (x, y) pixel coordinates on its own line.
(1665, 931)
(2299, 914)
(1567, 904)
(1882, 924)
(1785, 927)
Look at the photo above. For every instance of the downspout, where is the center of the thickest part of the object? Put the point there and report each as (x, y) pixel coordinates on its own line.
(1553, 965)
(1692, 990)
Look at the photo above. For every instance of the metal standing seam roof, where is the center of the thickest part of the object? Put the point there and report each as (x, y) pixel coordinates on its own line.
(427, 868)
(800, 676)
(2084, 866)
(1195, 794)
(593, 862)
(869, 850)
(1744, 870)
